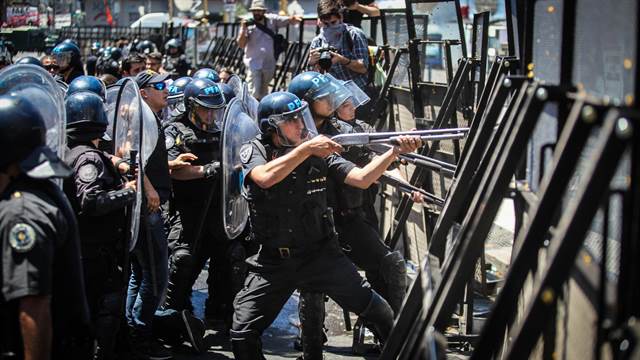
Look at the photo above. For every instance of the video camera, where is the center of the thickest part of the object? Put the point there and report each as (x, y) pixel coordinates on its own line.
(325, 57)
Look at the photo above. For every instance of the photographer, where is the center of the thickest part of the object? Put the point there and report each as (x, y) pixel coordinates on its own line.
(260, 40)
(339, 49)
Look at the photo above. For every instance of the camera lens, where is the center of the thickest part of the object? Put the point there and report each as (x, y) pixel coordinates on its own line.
(325, 60)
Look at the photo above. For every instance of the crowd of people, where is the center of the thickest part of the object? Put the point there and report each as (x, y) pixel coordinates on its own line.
(73, 285)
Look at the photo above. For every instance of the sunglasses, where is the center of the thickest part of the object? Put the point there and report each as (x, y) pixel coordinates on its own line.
(52, 67)
(158, 86)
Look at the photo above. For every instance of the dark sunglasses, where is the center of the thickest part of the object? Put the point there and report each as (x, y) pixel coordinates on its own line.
(158, 86)
(52, 67)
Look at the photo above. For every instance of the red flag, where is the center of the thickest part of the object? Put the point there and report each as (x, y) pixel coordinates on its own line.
(108, 13)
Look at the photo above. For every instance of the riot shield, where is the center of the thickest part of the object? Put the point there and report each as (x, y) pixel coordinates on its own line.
(134, 135)
(236, 84)
(237, 128)
(37, 85)
(250, 102)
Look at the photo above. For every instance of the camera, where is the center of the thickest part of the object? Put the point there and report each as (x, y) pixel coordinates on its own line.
(325, 57)
(250, 22)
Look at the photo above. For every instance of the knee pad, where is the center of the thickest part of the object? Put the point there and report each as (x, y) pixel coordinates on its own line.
(181, 257)
(394, 273)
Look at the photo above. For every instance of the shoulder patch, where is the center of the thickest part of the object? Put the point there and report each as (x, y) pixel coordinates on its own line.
(245, 153)
(22, 237)
(88, 172)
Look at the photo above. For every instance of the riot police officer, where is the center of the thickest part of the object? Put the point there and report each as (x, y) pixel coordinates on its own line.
(99, 196)
(175, 61)
(92, 60)
(87, 83)
(144, 47)
(175, 100)
(67, 55)
(384, 269)
(285, 177)
(39, 243)
(197, 234)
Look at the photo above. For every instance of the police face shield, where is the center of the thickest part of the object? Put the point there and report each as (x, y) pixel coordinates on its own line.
(347, 110)
(207, 119)
(295, 127)
(63, 59)
(329, 95)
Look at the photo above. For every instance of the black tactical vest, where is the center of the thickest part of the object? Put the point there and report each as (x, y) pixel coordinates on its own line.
(190, 195)
(294, 212)
(96, 232)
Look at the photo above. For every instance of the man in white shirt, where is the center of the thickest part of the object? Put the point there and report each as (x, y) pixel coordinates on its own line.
(259, 47)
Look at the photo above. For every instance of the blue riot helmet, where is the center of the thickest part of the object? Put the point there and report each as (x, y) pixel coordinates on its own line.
(145, 47)
(29, 60)
(206, 73)
(227, 91)
(176, 89)
(23, 139)
(86, 117)
(323, 92)
(87, 83)
(66, 54)
(175, 101)
(205, 102)
(70, 41)
(278, 110)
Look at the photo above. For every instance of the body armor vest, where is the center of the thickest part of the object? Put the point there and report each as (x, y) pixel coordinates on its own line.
(293, 213)
(189, 195)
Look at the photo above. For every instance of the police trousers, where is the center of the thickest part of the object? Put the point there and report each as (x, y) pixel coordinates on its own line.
(272, 280)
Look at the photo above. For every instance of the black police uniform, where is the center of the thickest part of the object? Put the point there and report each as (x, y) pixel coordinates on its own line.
(41, 256)
(96, 193)
(299, 249)
(189, 202)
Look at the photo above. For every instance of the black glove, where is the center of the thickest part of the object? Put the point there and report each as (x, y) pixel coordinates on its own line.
(211, 169)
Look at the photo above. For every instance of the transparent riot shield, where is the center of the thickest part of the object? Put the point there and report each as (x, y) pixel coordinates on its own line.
(37, 85)
(237, 128)
(250, 102)
(236, 84)
(134, 136)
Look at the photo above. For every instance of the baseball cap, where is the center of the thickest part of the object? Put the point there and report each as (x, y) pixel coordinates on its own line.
(149, 77)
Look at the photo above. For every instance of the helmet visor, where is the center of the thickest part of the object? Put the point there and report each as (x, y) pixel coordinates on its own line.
(63, 59)
(208, 119)
(332, 92)
(295, 127)
(358, 97)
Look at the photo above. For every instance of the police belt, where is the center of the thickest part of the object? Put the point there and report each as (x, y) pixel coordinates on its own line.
(293, 252)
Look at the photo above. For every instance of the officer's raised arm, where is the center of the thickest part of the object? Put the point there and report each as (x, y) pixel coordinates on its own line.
(365, 176)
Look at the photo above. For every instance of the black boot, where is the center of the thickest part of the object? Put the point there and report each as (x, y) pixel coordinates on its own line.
(246, 346)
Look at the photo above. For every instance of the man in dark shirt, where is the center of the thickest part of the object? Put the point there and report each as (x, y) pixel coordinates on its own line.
(43, 310)
(285, 176)
(354, 11)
